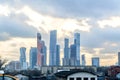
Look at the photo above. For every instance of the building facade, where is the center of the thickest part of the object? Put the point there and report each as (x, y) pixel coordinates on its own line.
(73, 55)
(57, 55)
(52, 53)
(77, 43)
(119, 58)
(33, 57)
(95, 61)
(14, 66)
(66, 52)
(82, 76)
(23, 57)
(39, 47)
(83, 60)
(41, 51)
(44, 54)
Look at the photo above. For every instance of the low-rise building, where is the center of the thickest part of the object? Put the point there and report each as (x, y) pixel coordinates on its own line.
(13, 66)
(75, 75)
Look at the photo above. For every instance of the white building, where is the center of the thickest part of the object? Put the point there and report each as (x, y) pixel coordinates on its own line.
(76, 75)
(82, 76)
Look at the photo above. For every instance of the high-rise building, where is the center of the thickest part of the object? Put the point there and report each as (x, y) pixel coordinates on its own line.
(66, 52)
(73, 61)
(33, 57)
(118, 58)
(77, 43)
(52, 53)
(44, 53)
(66, 48)
(23, 57)
(95, 61)
(57, 55)
(83, 60)
(39, 47)
(41, 51)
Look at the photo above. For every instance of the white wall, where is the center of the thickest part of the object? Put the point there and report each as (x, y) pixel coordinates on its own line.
(82, 75)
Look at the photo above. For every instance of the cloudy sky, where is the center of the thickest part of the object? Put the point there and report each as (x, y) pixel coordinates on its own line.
(98, 22)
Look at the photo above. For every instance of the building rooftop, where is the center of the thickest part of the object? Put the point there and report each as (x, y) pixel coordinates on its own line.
(64, 74)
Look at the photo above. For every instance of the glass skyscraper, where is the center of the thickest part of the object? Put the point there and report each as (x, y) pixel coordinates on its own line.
(73, 61)
(83, 60)
(33, 57)
(41, 51)
(44, 54)
(39, 47)
(95, 61)
(75, 51)
(23, 57)
(77, 43)
(57, 55)
(52, 53)
(66, 52)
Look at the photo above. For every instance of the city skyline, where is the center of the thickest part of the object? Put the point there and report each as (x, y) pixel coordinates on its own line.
(98, 25)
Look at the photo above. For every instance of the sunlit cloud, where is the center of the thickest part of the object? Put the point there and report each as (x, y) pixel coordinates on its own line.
(95, 40)
(11, 48)
(4, 10)
(47, 23)
(110, 22)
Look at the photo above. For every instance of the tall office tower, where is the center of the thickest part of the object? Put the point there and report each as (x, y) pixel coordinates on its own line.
(33, 57)
(44, 53)
(66, 52)
(57, 55)
(73, 61)
(118, 58)
(39, 47)
(23, 57)
(83, 60)
(52, 56)
(95, 61)
(77, 43)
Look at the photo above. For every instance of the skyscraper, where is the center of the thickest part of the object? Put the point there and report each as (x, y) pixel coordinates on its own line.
(118, 58)
(66, 52)
(83, 60)
(23, 57)
(44, 53)
(95, 61)
(52, 53)
(39, 47)
(41, 51)
(33, 57)
(77, 43)
(57, 55)
(66, 48)
(73, 61)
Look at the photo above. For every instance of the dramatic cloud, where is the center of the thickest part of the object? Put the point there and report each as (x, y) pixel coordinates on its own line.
(10, 27)
(96, 20)
(76, 8)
